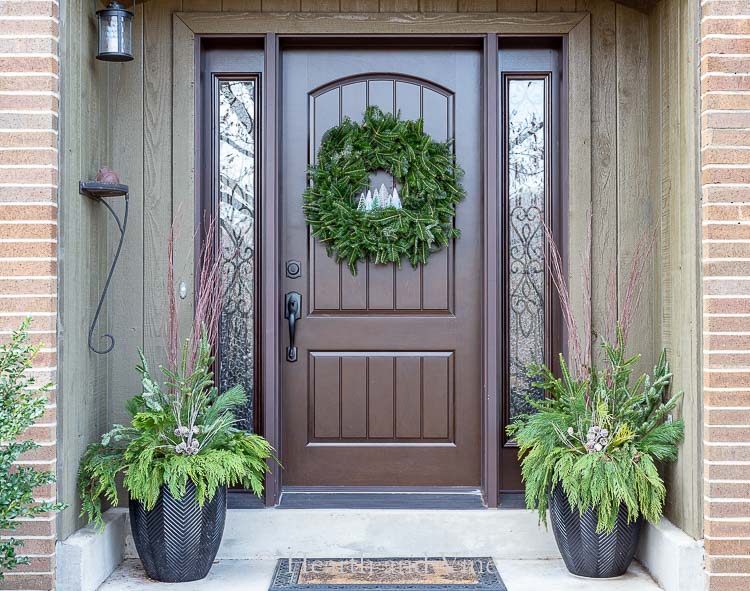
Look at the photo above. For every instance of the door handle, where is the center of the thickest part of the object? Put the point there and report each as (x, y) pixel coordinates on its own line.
(292, 309)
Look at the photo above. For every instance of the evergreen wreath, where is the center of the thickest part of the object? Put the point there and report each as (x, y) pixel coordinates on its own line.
(424, 170)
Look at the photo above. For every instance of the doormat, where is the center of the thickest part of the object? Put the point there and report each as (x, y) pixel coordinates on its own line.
(386, 574)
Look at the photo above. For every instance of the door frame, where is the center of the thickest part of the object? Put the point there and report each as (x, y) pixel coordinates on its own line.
(183, 68)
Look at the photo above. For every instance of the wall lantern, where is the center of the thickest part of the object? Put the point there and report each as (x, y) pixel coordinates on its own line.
(115, 33)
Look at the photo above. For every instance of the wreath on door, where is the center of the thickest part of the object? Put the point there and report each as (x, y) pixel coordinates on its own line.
(413, 220)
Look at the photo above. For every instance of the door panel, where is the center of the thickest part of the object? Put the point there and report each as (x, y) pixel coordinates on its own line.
(386, 389)
(380, 396)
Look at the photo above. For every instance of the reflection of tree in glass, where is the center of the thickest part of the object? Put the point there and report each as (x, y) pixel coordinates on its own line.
(236, 171)
(526, 188)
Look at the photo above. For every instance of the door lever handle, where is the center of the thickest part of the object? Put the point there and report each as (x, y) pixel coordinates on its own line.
(292, 309)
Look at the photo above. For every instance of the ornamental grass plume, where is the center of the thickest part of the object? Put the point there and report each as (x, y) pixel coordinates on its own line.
(580, 340)
(208, 300)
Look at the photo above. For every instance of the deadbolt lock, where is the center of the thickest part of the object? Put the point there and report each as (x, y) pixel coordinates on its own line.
(293, 269)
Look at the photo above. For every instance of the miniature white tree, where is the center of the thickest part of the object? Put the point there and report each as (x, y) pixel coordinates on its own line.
(384, 197)
(395, 199)
(376, 199)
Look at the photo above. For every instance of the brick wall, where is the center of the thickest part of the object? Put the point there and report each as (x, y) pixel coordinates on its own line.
(28, 230)
(725, 173)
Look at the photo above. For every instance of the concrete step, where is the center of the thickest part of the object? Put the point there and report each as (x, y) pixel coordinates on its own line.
(255, 538)
(263, 534)
(255, 575)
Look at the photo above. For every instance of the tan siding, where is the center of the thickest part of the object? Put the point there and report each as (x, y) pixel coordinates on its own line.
(202, 5)
(280, 5)
(359, 5)
(320, 6)
(603, 154)
(246, 5)
(126, 291)
(399, 5)
(555, 5)
(477, 5)
(438, 5)
(674, 152)
(516, 5)
(157, 170)
(636, 209)
(84, 227)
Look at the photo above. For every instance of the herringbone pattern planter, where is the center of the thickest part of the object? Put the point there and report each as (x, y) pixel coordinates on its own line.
(178, 540)
(585, 552)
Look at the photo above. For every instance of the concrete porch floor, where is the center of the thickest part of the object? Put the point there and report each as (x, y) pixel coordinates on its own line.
(255, 575)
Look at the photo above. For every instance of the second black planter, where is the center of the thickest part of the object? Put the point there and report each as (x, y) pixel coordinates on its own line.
(178, 539)
(585, 552)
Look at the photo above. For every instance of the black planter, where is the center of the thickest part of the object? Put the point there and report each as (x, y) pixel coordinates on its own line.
(585, 552)
(177, 540)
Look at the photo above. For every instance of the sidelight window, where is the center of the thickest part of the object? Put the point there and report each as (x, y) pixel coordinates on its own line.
(529, 95)
(526, 107)
(236, 112)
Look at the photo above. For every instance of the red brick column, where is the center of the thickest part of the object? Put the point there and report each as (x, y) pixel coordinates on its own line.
(28, 231)
(725, 173)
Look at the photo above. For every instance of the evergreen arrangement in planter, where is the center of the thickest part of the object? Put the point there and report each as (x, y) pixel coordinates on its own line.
(590, 454)
(22, 402)
(600, 437)
(181, 450)
(177, 458)
(590, 450)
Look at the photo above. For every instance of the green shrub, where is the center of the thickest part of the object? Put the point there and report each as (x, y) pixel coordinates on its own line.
(20, 406)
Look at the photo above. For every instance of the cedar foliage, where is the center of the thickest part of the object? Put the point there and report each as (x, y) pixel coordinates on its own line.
(600, 437)
(21, 404)
(181, 431)
(425, 170)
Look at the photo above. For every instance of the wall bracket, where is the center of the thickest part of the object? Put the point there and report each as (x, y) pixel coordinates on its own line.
(100, 192)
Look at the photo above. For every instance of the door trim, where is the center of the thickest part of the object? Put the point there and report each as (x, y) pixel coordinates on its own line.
(357, 24)
(491, 388)
(182, 67)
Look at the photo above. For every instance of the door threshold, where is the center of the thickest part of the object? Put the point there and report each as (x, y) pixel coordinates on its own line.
(380, 498)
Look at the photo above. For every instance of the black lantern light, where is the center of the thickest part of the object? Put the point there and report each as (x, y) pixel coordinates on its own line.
(115, 33)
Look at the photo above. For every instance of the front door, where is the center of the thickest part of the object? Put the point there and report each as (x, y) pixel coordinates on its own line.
(386, 388)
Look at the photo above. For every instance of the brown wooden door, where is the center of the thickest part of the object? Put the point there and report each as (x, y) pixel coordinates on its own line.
(387, 387)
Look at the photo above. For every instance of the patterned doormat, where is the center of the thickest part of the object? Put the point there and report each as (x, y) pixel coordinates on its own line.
(386, 574)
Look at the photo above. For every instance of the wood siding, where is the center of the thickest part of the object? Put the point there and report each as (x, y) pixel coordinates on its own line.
(673, 119)
(84, 252)
(630, 60)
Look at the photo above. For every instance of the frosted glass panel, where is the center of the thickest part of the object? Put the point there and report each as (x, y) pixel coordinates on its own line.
(526, 192)
(236, 220)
